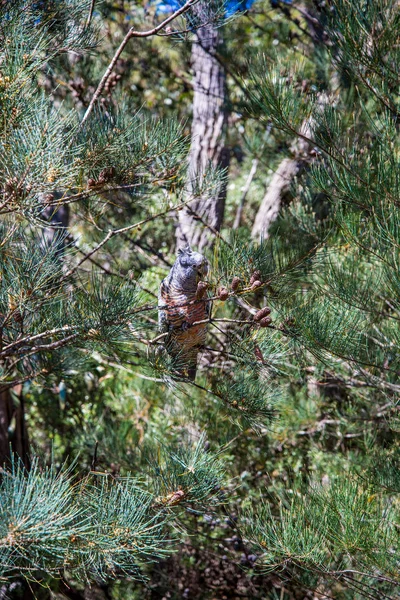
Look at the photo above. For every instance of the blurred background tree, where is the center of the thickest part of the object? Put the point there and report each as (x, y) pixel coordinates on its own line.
(276, 473)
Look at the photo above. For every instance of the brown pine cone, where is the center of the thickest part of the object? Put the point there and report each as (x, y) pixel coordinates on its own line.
(235, 283)
(264, 312)
(223, 293)
(256, 276)
(265, 322)
(256, 284)
(106, 174)
(18, 316)
(201, 290)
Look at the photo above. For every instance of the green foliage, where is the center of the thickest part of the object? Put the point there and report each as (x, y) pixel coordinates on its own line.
(192, 473)
(49, 522)
(342, 519)
(98, 526)
(249, 401)
(287, 442)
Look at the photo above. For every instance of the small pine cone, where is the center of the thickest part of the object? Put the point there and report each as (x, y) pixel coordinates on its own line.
(258, 354)
(235, 284)
(112, 172)
(223, 294)
(265, 322)
(106, 174)
(255, 284)
(289, 322)
(91, 182)
(201, 290)
(256, 276)
(18, 316)
(264, 312)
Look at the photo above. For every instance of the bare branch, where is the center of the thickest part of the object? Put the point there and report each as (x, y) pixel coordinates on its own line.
(131, 34)
(90, 14)
(114, 232)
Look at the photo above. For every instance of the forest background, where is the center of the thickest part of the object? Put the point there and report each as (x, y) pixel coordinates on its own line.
(265, 134)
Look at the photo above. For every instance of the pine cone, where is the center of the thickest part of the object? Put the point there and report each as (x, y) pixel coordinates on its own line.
(106, 174)
(255, 284)
(264, 312)
(201, 290)
(265, 322)
(18, 316)
(256, 276)
(223, 294)
(235, 284)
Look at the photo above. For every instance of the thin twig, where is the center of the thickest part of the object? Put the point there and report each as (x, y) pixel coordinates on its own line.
(131, 34)
(29, 338)
(202, 322)
(90, 14)
(53, 345)
(114, 232)
(198, 217)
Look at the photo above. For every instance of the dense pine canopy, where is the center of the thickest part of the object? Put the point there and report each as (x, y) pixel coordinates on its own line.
(266, 135)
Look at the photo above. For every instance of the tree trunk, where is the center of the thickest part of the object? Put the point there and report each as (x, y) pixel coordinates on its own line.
(205, 215)
(272, 201)
(288, 169)
(13, 432)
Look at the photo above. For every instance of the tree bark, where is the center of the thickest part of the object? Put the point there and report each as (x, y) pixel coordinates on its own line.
(272, 201)
(205, 215)
(288, 169)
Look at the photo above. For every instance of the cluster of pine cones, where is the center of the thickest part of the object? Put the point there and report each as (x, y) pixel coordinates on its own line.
(262, 316)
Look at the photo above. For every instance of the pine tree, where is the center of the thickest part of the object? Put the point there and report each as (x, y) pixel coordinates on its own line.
(343, 308)
(300, 377)
(54, 315)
